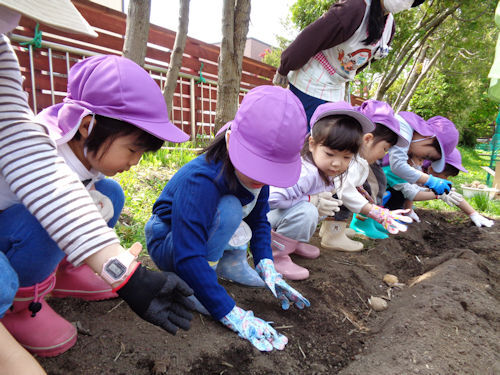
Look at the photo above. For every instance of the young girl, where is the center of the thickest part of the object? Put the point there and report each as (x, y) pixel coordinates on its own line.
(374, 146)
(452, 168)
(432, 140)
(113, 113)
(204, 203)
(336, 130)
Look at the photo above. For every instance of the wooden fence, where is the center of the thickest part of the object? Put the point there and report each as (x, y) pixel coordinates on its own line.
(46, 68)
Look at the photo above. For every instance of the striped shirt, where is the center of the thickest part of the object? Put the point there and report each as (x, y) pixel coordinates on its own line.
(31, 169)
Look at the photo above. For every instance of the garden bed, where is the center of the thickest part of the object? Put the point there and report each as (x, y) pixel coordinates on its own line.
(447, 322)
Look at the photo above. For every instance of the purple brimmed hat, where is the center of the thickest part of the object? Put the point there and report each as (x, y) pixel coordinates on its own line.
(267, 135)
(455, 159)
(115, 87)
(342, 108)
(415, 122)
(447, 136)
(382, 113)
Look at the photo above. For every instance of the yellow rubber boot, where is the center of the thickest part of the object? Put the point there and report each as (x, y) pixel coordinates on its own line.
(334, 237)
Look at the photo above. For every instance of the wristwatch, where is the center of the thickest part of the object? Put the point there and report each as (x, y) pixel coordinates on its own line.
(115, 269)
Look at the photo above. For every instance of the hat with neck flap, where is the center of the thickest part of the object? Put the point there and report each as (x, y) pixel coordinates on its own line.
(115, 87)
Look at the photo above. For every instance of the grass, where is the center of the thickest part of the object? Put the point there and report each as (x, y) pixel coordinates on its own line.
(472, 161)
(144, 183)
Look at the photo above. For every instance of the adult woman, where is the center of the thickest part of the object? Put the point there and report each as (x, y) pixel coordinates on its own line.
(330, 51)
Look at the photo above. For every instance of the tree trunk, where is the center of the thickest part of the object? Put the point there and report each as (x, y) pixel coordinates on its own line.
(176, 56)
(422, 32)
(137, 31)
(422, 75)
(235, 21)
(412, 77)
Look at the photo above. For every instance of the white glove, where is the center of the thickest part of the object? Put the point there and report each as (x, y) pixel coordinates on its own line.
(280, 80)
(103, 203)
(414, 216)
(326, 204)
(452, 198)
(481, 221)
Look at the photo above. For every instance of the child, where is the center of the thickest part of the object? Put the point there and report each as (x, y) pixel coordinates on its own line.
(401, 192)
(452, 168)
(336, 130)
(423, 143)
(374, 146)
(203, 204)
(113, 113)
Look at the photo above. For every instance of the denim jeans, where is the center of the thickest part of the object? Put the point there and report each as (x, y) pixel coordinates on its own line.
(9, 284)
(32, 254)
(298, 222)
(309, 102)
(226, 220)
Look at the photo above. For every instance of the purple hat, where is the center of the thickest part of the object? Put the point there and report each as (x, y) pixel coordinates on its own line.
(415, 122)
(115, 87)
(447, 136)
(382, 113)
(342, 108)
(455, 159)
(267, 135)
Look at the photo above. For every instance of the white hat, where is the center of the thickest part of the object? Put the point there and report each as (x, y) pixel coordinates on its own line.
(60, 14)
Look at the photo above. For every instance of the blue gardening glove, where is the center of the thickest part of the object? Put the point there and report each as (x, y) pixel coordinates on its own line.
(257, 331)
(281, 290)
(438, 185)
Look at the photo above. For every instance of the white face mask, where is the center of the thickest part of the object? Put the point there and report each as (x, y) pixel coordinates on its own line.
(396, 6)
(8, 19)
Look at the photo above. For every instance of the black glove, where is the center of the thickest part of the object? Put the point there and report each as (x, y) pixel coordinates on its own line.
(159, 298)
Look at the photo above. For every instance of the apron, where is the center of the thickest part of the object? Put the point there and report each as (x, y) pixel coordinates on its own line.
(324, 75)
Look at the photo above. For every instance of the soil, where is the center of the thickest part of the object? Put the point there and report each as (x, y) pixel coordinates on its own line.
(445, 320)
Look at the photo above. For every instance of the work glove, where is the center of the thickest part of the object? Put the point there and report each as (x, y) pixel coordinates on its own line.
(160, 298)
(481, 221)
(257, 331)
(281, 290)
(438, 185)
(452, 198)
(326, 204)
(413, 215)
(390, 220)
(103, 203)
(280, 80)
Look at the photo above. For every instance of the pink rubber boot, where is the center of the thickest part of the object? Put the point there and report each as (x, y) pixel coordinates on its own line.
(283, 246)
(306, 250)
(80, 282)
(35, 325)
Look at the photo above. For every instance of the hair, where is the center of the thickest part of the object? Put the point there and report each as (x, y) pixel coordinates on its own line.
(106, 130)
(376, 22)
(383, 133)
(217, 152)
(450, 171)
(436, 145)
(337, 132)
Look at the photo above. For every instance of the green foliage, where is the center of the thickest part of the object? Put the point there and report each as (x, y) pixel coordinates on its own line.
(142, 186)
(305, 12)
(273, 56)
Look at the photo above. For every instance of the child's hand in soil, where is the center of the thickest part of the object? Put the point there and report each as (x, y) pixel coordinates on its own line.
(281, 290)
(257, 331)
(392, 221)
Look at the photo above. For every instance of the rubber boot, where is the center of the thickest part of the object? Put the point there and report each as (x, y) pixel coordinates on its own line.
(35, 325)
(348, 231)
(306, 250)
(283, 246)
(336, 239)
(366, 226)
(233, 266)
(80, 282)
